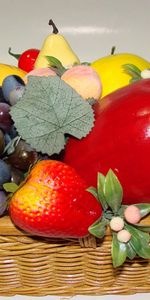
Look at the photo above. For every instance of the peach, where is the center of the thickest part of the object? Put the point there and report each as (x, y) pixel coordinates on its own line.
(39, 72)
(84, 80)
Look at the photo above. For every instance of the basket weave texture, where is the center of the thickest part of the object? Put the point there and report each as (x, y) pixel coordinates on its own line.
(38, 267)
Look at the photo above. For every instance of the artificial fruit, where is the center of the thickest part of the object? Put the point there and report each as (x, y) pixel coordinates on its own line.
(53, 202)
(39, 72)
(57, 46)
(26, 60)
(84, 80)
(120, 140)
(112, 73)
(6, 70)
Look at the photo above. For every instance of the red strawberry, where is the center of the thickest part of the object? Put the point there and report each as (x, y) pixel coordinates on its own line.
(53, 202)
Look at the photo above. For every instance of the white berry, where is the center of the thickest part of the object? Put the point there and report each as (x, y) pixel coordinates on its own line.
(116, 224)
(132, 214)
(123, 236)
(145, 74)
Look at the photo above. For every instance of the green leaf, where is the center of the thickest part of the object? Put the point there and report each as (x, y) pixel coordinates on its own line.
(54, 62)
(49, 109)
(100, 190)
(134, 79)
(139, 241)
(130, 251)
(86, 63)
(121, 210)
(144, 209)
(10, 187)
(132, 70)
(145, 228)
(98, 229)
(93, 191)
(119, 251)
(113, 191)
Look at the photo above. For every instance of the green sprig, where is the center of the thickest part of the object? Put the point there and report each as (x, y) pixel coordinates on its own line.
(109, 193)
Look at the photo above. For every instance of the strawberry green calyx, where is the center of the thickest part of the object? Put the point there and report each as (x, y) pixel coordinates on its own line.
(128, 238)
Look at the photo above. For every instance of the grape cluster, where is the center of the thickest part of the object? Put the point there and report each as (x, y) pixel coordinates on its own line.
(16, 156)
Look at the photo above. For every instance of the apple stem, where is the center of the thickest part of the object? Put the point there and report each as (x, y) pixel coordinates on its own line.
(55, 29)
(113, 49)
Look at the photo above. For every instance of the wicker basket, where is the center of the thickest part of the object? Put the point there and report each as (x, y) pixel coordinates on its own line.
(38, 267)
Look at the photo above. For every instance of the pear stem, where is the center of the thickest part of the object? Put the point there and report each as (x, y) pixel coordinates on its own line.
(55, 29)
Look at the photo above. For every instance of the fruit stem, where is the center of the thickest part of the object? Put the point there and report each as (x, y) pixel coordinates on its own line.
(55, 29)
(13, 54)
(113, 49)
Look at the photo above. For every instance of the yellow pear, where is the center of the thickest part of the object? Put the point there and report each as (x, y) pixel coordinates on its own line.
(6, 70)
(57, 46)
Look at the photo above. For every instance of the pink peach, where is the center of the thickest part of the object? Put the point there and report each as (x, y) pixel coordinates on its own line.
(39, 72)
(84, 80)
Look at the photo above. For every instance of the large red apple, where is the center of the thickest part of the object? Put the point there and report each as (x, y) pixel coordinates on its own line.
(120, 140)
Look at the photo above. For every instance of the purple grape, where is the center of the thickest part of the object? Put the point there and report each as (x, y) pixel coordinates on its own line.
(5, 172)
(2, 99)
(7, 138)
(13, 132)
(5, 118)
(3, 202)
(17, 176)
(2, 142)
(23, 156)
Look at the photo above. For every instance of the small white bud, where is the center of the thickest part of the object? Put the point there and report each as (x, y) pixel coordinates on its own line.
(145, 74)
(116, 223)
(123, 236)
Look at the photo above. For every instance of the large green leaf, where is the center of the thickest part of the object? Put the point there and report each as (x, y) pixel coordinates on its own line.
(113, 191)
(49, 109)
(93, 191)
(100, 190)
(139, 241)
(131, 253)
(119, 251)
(145, 228)
(98, 229)
(144, 209)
